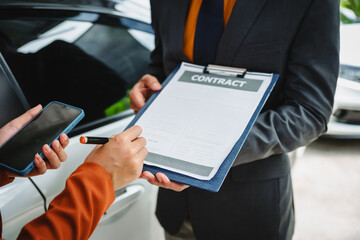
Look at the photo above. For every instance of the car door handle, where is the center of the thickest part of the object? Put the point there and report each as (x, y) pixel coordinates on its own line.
(124, 198)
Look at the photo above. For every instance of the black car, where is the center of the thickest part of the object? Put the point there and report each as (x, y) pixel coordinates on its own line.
(86, 53)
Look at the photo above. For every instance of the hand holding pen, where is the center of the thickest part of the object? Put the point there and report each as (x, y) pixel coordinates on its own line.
(122, 157)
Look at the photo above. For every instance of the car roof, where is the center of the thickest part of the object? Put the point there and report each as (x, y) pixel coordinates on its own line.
(135, 9)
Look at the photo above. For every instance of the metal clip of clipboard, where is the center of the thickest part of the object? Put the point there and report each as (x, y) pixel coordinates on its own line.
(223, 70)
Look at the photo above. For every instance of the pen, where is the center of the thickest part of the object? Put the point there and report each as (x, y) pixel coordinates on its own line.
(94, 140)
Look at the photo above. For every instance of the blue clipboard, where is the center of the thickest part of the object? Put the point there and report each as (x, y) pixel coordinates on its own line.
(214, 184)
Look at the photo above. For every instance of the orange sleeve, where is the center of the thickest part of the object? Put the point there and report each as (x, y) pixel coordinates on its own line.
(4, 179)
(76, 211)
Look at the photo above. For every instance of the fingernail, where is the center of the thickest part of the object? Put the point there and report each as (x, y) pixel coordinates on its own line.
(159, 179)
(146, 178)
(37, 158)
(56, 144)
(155, 85)
(47, 148)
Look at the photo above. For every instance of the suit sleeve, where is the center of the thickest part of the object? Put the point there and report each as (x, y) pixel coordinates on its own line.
(310, 82)
(76, 211)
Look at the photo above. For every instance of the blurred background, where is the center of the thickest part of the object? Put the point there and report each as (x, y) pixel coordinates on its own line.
(326, 176)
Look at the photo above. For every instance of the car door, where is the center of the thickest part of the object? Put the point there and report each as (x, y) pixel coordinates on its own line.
(134, 205)
(15, 211)
(89, 60)
(20, 202)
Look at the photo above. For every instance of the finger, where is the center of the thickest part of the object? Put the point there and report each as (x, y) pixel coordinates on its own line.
(35, 110)
(40, 168)
(139, 143)
(64, 140)
(59, 150)
(143, 153)
(131, 134)
(27, 116)
(135, 108)
(151, 82)
(13, 126)
(154, 180)
(178, 187)
(164, 180)
(53, 160)
(150, 178)
(137, 98)
(142, 175)
(40, 164)
(141, 90)
(98, 146)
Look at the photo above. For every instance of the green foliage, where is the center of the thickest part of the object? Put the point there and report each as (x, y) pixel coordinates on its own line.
(344, 19)
(118, 107)
(353, 5)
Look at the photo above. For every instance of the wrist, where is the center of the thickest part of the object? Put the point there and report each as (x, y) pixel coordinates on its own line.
(102, 170)
(5, 178)
(9, 175)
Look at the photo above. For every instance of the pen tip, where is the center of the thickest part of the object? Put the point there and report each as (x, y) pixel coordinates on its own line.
(83, 139)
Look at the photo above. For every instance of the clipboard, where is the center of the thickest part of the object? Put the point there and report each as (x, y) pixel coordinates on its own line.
(214, 184)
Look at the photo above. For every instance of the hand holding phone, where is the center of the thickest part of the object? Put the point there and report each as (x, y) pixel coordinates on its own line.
(37, 136)
(54, 156)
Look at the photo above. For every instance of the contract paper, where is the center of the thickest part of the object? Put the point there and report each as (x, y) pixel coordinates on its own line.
(197, 118)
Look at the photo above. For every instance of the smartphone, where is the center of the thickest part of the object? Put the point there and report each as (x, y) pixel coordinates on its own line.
(17, 154)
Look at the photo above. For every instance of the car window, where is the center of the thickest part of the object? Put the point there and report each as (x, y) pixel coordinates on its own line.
(11, 94)
(91, 65)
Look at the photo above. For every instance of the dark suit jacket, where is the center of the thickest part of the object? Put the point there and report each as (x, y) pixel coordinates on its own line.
(298, 40)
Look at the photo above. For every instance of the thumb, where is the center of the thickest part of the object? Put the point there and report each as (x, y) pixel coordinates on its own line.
(151, 82)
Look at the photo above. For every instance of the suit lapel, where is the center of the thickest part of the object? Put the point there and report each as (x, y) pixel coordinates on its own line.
(243, 16)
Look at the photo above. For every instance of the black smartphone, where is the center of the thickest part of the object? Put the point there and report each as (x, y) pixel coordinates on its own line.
(17, 154)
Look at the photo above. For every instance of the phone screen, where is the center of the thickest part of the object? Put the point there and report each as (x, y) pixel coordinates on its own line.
(20, 150)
